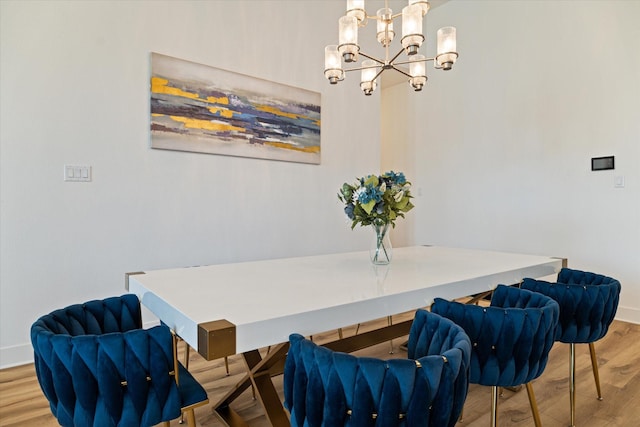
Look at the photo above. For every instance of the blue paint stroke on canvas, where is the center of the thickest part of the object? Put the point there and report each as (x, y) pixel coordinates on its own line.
(204, 109)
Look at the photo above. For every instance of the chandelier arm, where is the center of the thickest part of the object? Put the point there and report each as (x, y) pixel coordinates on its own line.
(378, 74)
(409, 62)
(395, 57)
(380, 61)
(346, 70)
(401, 71)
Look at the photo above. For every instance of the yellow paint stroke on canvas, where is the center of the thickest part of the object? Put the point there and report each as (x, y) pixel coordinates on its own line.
(206, 124)
(279, 112)
(223, 112)
(159, 85)
(314, 149)
(276, 111)
(223, 100)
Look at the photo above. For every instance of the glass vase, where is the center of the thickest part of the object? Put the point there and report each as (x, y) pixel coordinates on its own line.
(380, 250)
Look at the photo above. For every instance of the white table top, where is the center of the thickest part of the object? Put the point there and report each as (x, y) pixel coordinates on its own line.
(268, 300)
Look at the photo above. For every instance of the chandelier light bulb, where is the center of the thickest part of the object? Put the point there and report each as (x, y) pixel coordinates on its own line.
(412, 37)
(447, 54)
(355, 8)
(384, 26)
(418, 71)
(424, 5)
(367, 78)
(348, 38)
(333, 64)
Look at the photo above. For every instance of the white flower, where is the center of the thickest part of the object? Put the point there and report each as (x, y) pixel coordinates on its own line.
(398, 196)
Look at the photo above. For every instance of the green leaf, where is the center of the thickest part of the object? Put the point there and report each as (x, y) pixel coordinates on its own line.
(368, 207)
(401, 205)
(373, 180)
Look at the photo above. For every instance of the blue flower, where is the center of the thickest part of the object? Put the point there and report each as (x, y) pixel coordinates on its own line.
(369, 193)
(396, 178)
(349, 211)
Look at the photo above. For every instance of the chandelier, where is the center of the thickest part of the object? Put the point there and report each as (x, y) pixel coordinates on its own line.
(412, 38)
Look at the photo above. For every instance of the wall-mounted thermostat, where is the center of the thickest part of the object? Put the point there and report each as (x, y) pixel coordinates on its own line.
(602, 163)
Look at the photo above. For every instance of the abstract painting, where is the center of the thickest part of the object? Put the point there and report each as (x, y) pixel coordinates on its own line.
(203, 109)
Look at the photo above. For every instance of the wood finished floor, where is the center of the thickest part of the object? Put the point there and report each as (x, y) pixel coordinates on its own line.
(23, 404)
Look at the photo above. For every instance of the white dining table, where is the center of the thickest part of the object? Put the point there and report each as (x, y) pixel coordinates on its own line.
(238, 308)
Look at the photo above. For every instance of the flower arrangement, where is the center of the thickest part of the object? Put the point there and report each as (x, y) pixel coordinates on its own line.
(377, 200)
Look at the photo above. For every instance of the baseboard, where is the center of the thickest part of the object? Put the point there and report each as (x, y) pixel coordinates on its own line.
(628, 314)
(16, 355)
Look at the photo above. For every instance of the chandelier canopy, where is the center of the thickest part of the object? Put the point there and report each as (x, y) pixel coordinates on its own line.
(348, 49)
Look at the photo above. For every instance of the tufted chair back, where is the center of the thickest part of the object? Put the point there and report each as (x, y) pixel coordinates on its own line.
(433, 335)
(97, 367)
(116, 314)
(327, 388)
(588, 303)
(510, 339)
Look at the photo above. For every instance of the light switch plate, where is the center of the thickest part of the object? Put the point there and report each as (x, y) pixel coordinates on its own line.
(74, 173)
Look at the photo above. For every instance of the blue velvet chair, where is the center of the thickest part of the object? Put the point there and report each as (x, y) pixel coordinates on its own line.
(327, 388)
(511, 339)
(588, 304)
(98, 367)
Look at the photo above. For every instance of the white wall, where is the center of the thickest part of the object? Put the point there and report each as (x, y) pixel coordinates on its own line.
(504, 141)
(498, 148)
(75, 90)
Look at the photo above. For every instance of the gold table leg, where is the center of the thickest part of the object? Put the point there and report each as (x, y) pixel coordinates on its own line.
(260, 370)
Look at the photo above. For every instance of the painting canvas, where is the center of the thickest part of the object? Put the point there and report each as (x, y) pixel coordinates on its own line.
(199, 108)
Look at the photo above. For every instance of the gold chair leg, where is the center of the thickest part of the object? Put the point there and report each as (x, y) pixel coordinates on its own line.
(572, 382)
(226, 365)
(390, 323)
(494, 406)
(594, 365)
(534, 405)
(340, 333)
(191, 418)
(186, 366)
(186, 356)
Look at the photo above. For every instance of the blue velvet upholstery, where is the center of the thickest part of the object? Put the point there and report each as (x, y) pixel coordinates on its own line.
(588, 303)
(511, 339)
(327, 388)
(97, 367)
